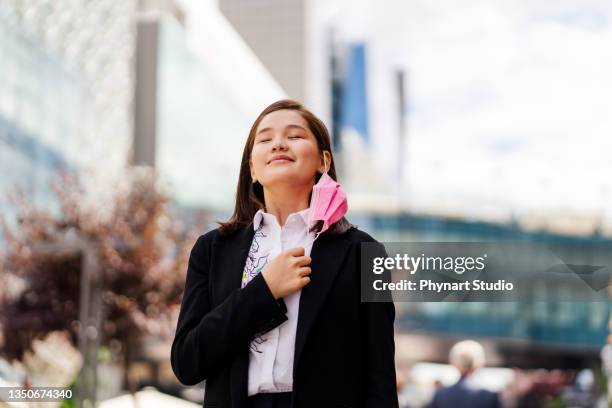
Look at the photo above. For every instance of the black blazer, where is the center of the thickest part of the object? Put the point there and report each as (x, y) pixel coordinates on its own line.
(344, 349)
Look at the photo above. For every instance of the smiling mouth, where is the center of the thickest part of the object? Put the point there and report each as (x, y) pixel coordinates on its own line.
(284, 160)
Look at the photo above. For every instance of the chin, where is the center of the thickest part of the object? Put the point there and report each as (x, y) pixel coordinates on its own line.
(291, 177)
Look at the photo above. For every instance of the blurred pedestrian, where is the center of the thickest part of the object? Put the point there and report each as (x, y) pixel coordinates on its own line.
(606, 362)
(467, 356)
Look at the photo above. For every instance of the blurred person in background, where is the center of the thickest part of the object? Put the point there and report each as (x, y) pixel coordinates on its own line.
(467, 357)
(606, 362)
(271, 313)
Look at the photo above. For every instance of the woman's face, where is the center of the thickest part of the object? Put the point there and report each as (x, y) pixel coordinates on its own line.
(284, 150)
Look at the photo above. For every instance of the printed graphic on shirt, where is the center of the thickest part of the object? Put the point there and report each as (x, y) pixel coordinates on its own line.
(257, 340)
(254, 263)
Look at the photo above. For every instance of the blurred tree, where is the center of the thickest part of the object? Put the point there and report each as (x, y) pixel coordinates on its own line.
(142, 250)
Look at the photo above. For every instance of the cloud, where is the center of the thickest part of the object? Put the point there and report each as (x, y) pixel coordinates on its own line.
(511, 105)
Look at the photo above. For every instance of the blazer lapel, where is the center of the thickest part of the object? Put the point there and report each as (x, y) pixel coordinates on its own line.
(232, 256)
(327, 257)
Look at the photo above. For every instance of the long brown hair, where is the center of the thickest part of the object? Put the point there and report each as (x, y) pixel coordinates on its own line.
(249, 195)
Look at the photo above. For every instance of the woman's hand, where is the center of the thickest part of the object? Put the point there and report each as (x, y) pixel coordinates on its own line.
(288, 272)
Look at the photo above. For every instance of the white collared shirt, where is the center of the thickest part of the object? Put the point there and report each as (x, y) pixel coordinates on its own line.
(271, 354)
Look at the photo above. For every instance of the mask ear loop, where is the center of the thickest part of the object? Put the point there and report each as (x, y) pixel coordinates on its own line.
(325, 168)
(316, 236)
(325, 171)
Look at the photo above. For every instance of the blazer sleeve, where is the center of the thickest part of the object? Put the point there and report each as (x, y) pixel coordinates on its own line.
(208, 338)
(377, 319)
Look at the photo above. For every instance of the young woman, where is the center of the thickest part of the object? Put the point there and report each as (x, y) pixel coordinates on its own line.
(272, 314)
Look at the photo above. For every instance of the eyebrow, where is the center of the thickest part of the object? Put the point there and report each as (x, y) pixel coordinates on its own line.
(286, 127)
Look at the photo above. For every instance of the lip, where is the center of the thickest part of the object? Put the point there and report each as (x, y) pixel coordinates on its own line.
(280, 158)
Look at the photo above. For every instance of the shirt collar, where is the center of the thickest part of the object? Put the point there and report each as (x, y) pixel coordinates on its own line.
(260, 215)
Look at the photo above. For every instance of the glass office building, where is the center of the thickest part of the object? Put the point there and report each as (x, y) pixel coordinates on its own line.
(201, 129)
(209, 88)
(65, 92)
(38, 107)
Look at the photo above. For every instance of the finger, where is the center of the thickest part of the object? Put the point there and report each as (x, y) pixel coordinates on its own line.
(297, 251)
(304, 280)
(302, 260)
(304, 271)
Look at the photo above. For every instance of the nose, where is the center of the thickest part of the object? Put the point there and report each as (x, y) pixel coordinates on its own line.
(278, 143)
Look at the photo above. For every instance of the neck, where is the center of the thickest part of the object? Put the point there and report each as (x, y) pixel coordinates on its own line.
(465, 372)
(285, 200)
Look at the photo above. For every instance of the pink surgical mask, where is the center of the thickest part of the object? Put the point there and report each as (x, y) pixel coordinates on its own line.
(328, 202)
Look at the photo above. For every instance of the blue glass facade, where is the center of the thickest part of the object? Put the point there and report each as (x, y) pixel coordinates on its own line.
(582, 325)
(39, 104)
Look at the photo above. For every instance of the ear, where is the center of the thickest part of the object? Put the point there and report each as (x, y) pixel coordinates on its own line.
(325, 158)
(251, 170)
